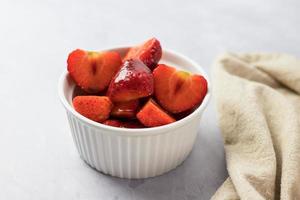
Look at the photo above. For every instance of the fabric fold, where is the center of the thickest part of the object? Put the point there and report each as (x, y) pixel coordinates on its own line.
(258, 104)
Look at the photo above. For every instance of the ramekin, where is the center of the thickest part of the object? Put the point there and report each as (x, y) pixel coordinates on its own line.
(134, 153)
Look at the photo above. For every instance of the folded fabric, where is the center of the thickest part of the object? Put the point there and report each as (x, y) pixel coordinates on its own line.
(258, 104)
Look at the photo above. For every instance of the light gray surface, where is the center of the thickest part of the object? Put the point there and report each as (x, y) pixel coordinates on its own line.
(38, 158)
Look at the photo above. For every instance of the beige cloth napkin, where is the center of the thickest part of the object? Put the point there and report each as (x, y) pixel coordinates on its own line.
(258, 103)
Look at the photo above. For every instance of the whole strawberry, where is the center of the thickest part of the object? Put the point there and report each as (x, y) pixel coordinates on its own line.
(133, 81)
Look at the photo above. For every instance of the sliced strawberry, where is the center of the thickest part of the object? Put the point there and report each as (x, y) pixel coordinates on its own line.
(133, 81)
(133, 124)
(96, 108)
(178, 91)
(152, 115)
(93, 71)
(149, 53)
(123, 124)
(126, 109)
(78, 91)
(181, 115)
(113, 122)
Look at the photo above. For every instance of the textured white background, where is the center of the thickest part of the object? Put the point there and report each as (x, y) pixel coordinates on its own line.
(37, 157)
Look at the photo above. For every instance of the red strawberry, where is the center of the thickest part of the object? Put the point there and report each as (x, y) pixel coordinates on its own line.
(123, 124)
(181, 115)
(178, 91)
(80, 92)
(133, 124)
(149, 53)
(126, 109)
(113, 122)
(133, 81)
(92, 71)
(152, 115)
(96, 108)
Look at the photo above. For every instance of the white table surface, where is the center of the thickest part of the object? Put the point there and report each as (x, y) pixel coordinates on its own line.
(38, 159)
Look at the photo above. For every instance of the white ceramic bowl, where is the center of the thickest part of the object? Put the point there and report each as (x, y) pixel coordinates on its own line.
(134, 153)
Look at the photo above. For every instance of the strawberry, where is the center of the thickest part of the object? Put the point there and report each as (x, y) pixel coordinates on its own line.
(96, 108)
(92, 71)
(133, 81)
(133, 124)
(113, 122)
(126, 109)
(80, 92)
(152, 115)
(123, 124)
(178, 91)
(149, 53)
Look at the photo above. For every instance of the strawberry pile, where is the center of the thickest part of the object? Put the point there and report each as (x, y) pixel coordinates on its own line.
(133, 92)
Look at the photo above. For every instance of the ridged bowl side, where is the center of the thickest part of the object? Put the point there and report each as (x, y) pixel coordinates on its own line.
(132, 156)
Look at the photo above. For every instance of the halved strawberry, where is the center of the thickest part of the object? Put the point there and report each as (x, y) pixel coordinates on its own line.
(133, 124)
(126, 109)
(78, 91)
(178, 91)
(96, 108)
(149, 53)
(152, 115)
(93, 71)
(113, 122)
(181, 115)
(123, 124)
(133, 81)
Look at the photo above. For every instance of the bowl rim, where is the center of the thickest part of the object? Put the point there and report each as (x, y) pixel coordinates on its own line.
(140, 131)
